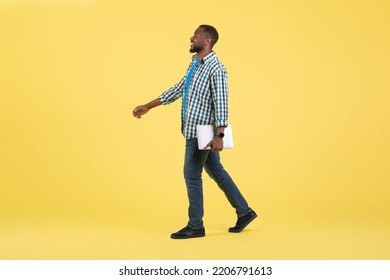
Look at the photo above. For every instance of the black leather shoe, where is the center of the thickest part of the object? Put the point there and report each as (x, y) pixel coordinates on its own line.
(188, 232)
(243, 221)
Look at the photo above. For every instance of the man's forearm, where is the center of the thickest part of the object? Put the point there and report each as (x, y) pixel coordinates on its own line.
(154, 103)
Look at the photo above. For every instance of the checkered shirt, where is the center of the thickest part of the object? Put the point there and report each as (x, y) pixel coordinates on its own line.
(207, 98)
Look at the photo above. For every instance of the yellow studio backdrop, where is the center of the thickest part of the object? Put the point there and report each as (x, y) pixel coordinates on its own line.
(309, 97)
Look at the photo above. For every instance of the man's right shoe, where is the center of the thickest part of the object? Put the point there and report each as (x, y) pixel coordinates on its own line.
(188, 232)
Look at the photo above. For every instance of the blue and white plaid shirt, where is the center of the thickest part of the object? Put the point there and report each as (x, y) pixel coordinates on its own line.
(207, 97)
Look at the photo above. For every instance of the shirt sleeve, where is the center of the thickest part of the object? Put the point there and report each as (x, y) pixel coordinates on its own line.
(219, 93)
(173, 93)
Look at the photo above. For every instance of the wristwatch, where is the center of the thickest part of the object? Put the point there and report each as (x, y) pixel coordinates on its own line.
(220, 134)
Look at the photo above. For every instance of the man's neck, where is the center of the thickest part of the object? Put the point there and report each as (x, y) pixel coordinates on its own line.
(203, 54)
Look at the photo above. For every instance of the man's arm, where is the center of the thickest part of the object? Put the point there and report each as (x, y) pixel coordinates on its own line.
(143, 109)
(165, 98)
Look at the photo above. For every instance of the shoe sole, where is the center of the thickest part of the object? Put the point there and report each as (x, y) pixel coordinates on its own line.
(187, 237)
(244, 226)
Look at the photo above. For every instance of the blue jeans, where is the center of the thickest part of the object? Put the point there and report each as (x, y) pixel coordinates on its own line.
(194, 162)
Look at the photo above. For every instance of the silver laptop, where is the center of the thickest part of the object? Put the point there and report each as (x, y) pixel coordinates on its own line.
(206, 133)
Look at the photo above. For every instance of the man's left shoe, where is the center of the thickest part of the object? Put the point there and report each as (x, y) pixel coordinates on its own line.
(188, 232)
(243, 221)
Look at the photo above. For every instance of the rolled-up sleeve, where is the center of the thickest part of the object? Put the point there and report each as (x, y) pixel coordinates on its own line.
(219, 89)
(173, 93)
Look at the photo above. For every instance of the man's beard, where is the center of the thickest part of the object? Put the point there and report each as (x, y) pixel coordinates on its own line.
(195, 49)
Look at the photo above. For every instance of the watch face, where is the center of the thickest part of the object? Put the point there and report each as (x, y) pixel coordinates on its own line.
(221, 135)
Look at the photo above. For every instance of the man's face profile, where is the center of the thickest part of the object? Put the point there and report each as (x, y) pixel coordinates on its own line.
(198, 40)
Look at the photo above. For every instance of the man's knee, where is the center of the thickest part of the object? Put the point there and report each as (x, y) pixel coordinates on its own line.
(191, 175)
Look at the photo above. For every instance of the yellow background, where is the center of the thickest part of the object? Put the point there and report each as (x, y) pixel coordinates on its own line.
(309, 96)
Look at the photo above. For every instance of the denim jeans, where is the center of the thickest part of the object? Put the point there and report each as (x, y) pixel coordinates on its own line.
(194, 162)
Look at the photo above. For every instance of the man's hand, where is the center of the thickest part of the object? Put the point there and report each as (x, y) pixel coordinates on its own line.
(216, 144)
(140, 110)
(143, 109)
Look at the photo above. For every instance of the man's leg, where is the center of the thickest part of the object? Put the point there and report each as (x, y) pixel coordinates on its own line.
(216, 171)
(193, 165)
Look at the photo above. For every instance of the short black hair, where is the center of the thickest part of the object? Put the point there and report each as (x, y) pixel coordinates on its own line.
(212, 32)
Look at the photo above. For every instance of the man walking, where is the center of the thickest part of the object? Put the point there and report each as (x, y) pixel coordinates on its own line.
(204, 95)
